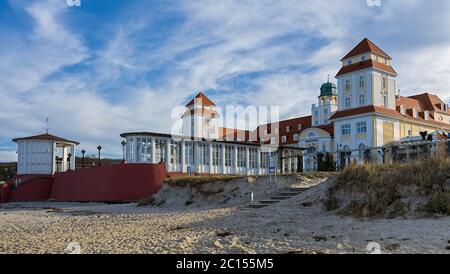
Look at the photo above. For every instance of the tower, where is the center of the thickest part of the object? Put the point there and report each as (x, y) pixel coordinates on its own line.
(366, 78)
(201, 120)
(327, 104)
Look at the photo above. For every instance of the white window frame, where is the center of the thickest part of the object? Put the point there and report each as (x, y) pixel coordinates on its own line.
(346, 129)
(361, 127)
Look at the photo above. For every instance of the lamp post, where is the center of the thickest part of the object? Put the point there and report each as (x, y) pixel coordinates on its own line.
(123, 150)
(99, 148)
(82, 157)
(68, 159)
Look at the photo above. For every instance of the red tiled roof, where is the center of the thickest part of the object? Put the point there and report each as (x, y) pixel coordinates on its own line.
(366, 109)
(366, 64)
(429, 102)
(388, 112)
(201, 99)
(47, 137)
(366, 46)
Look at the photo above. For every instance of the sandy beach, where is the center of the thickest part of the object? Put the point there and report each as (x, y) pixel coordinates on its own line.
(296, 225)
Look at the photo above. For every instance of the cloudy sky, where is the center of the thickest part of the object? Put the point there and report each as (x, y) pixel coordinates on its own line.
(108, 67)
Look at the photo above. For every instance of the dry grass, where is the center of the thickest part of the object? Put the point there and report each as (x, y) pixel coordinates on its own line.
(392, 190)
(183, 181)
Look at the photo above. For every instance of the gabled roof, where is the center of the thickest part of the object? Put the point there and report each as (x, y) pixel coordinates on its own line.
(201, 99)
(429, 102)
(366, 46)
(47, 137)
(366, 64)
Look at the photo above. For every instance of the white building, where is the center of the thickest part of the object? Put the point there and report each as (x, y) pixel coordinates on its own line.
(45, 154)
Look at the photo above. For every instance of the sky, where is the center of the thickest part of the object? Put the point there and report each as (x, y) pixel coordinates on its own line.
(108, 67)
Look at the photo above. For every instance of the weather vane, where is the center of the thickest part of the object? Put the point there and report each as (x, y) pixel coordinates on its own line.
(46, 127)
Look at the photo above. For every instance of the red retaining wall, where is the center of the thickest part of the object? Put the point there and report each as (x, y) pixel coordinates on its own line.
(31, 188)
(124, 182)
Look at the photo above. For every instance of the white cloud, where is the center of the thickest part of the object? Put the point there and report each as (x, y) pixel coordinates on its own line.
(290, 46)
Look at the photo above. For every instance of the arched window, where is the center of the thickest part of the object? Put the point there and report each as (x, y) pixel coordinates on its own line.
(312, 150)
(361, 82)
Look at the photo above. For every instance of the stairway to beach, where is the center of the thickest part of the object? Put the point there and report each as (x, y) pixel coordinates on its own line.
(276, 198)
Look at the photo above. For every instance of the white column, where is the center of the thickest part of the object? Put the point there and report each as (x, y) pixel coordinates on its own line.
(153, 144)
(247, 160)
(223, 159)
(258, 161)
(64, 159)
(235, 158)
(183, 156)
(168, 165)
(210, 158)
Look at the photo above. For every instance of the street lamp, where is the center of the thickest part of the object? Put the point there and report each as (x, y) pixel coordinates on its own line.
(82, 158)
(68, 159)
(123, 150)
(99, 148)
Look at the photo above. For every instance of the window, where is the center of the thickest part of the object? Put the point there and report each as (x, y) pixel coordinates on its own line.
(272, 140)
(228, 156)
(325, 121)
(363, 58)
(403, 109)
(345, 129)
(316, 112)
(384, 83)
(385, 100)
(415, 112)
(349, 62)
(159, 150)
(347, 102)
(299, 126)
(204, 154)
(189, 154)
(325, 112)
(361, 127)
(130, 150)
(295, 137)
(288, 128)
(241, 157)
(361, 82)
(253, 157)
(283, 139)
(311, 134)
(217, 155)
(347, 85)
(362, 99)
(316, 123)
(264, 159)
(324, 148)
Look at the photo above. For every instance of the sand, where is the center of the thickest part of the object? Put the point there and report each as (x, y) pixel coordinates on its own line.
(297, 225)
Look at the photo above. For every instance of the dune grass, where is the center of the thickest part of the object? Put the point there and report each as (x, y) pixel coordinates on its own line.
(388, 190)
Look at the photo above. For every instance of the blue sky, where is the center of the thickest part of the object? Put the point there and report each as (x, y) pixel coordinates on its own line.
(114, 66)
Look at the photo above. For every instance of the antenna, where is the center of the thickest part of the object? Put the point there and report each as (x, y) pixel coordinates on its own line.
(46, 127)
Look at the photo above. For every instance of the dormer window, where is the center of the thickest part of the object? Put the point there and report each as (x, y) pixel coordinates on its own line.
(415, 113)
(349, 62)
(426, 115)
(363, 58)
(403, 109)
